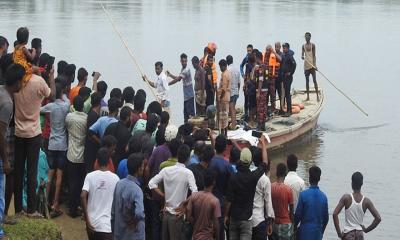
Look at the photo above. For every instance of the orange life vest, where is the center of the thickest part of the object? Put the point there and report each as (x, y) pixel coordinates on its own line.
(273, 66)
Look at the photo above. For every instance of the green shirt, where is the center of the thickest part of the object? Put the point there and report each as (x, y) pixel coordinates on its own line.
(170, 162)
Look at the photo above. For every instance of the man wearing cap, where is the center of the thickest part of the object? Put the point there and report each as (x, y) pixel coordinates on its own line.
(240, 195)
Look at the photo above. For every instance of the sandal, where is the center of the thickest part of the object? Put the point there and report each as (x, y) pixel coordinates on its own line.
(35, 215)
(56, 213)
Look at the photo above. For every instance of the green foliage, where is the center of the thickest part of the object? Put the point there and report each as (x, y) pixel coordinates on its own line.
(33, 229)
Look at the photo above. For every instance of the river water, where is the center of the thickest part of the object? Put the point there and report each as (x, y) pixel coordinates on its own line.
(356, 45)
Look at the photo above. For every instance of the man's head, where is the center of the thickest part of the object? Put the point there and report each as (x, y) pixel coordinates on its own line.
(113, 105)
(229, 59)
(82, 76)
(314, 175)
(152, 123)
(3, 45)
(138, 102)
(209, 178)
(61, 65)
(281, 170)
(220, 144)
(78, 103)
(252, 58)
(117, 94)
(5, 61)
(164, 118)
(110, 142)
(13, 77)
(207, 153)
(103, 156)
(307, 36)
(291, 162)
(47, 62)
(136, 164)
(286, 48)
(183, 153)
(196, 62)
(268, 50)
(141, 92)
(70, 72)
(102, 88)
(36, 43)
(22, 35)
(184, 60)
(249, 49)
(95, 99)
(154, 107)
(158, 67)
(245, 157)
(173, 146)
(223, 65)
(259, 57)
(277, 46)
(357, 181)
(84, 92)
(128, 94)
(59, 90)
(198, 147)
(210, 60)
(125, 115)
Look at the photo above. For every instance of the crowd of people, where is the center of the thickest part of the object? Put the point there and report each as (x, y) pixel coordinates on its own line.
(132, 174)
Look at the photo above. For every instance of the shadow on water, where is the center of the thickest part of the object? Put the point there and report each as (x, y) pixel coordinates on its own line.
(331, 128)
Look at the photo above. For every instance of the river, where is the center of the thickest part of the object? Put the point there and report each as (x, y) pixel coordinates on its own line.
(356, 44)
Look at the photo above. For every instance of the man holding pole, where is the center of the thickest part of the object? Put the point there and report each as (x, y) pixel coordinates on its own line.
(161, 85)
(308, 55)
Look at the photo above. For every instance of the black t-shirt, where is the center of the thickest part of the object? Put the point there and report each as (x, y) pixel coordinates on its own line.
(209, 76)
(91, 147)
(198, 172)
(121, 132)
(241, 190)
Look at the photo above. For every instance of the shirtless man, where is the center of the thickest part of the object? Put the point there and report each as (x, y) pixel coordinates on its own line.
(355, 205)
(308, 55)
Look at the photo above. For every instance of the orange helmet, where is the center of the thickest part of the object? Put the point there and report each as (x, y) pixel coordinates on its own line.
(212, 46)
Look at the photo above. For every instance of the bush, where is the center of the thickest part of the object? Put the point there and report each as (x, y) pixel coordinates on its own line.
(33, 229)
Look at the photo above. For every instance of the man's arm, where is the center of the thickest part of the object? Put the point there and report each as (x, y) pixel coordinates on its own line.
(152, 84)
(192, 182)
(175, 79)
(4, 147)
(325, 216)
(291, 212)
(52, 84)
(216, 228)
(84, 197)
(377, 218)
(263, 142)
(94, 132)
(96, 77)
(302, 52)
(299, 212)
(244, 61)
(335, 215)
(153, 183)
(314, 55)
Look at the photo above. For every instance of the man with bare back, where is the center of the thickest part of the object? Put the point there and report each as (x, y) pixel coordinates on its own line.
(308, 55)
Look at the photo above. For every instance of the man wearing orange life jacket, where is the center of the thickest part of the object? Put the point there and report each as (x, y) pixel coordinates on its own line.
(208, 63)
(272, 60)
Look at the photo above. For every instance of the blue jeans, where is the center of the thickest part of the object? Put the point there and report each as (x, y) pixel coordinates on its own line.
(188, 109)
(2, 200)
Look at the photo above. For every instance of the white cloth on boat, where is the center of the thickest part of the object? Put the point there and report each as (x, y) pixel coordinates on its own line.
(241, 134)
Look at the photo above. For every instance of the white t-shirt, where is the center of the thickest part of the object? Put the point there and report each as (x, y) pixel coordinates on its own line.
(100, 185)
(296, 184)
(162, 86)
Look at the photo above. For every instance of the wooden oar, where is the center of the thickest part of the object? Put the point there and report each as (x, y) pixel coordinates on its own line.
(129, 50)
(338, 89)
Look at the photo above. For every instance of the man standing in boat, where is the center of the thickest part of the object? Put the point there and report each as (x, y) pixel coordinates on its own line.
(308, 55)
(272, 59)
(199, 87)
(288, 67)
(188, 94)
(161, 84)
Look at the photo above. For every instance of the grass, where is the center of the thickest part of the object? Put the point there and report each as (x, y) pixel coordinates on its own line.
(33, 229)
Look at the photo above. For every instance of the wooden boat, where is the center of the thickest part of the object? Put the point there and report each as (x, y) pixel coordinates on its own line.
(283, 130)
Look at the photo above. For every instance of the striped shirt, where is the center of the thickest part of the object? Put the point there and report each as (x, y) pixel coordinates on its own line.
(76, 125)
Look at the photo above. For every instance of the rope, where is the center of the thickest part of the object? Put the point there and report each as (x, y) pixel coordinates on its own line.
(338, 89)
(128, 49)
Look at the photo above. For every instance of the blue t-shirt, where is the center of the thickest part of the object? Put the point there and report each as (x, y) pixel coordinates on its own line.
(100, 126)
(223, 171)
(311, 213)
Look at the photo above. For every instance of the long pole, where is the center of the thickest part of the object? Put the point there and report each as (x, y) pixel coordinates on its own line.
(338, 89)
(127, 48)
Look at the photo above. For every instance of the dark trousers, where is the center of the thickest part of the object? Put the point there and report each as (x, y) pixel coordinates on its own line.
(209, 98)
(246, 104)
(76, 175)
(188, 109)
(278, 87)
(287, 83)
(172, 227)
(260, 231)
(271, 93)
(155, 208)
(26, 150)
(99, 235)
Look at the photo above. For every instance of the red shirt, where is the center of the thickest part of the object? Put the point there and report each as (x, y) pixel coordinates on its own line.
(282, 196)
(46, 129)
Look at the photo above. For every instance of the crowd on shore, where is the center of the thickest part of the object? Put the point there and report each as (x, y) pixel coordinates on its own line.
(132, 174)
